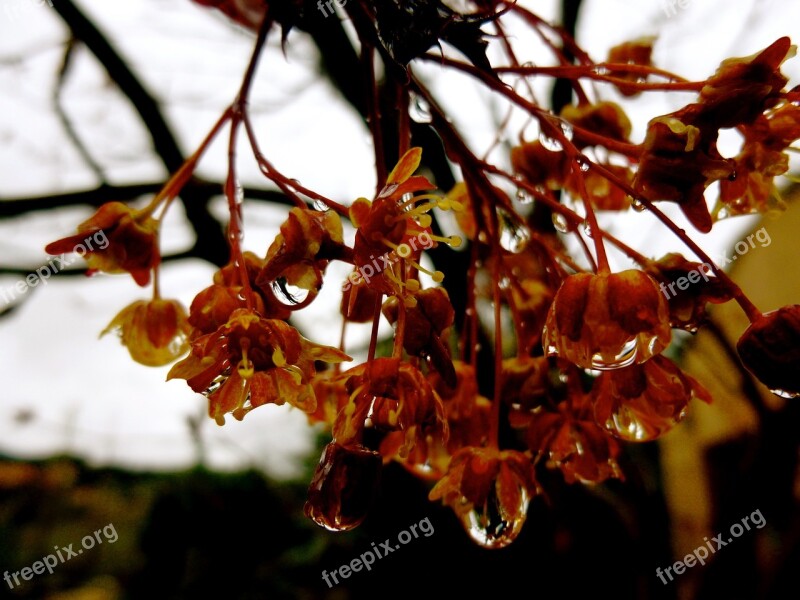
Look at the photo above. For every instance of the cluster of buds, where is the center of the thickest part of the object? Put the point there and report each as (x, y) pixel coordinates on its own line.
(577, 352)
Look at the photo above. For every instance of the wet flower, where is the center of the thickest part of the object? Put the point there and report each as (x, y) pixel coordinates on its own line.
(635, 52)
(427, 324)
(154, 331)
(572, 441)
(770, 349)
(687, 307)
(639, 403)
(343, 486)
(489, 491)
(525, 386)
(680, 160)
(251, 361)
(607, 320)
(298, 256)
(390, 395)
(762, 158)
(742, 88)
(601, 118)
(132, 241)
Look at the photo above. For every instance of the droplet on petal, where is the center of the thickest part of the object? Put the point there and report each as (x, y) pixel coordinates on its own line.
(514, 235)
(491, 526)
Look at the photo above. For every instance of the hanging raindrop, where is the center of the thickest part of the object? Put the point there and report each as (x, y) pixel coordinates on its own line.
(561, 223)
(418, 109)
(288, 294)
(490, 526)
(514, 235)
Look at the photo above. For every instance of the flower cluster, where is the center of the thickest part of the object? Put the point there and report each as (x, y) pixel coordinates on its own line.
(577, 350)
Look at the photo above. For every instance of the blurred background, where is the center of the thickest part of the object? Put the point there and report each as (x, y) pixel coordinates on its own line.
(101, 101)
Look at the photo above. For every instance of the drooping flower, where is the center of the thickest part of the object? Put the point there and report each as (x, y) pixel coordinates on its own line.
(427, 324)
(131, 241)
(688, 286)
(489, 491)
(154, 331)
(635, 52)
(344, 484)
(640, 403)
(298, 256)
(680, 160)
(251, 361)
(607, 320)
(770, 349)
(762, 158)
(390, 395)
(743, 88)
(525, 384)
(571, 441)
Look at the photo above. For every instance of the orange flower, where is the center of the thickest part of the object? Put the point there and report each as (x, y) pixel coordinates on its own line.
(574, 443)
(308, 240)
(770, 349)
(489, 491)
(344, 484)
(390, 395)
(251, 361)
(607, 320)
(154, 331)
(132, 241)
(526, 384)
(641, 402)
(636, 52)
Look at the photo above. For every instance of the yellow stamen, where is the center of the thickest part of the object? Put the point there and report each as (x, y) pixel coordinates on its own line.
(278, 358)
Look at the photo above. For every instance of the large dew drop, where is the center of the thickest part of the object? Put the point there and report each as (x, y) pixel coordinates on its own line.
(785, 393)
(489, 528)
(514, 235)
(418, 109)
(288, 294)
(553, 144)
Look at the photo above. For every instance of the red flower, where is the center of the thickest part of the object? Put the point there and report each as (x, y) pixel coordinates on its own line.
(489, 491)
(770, 349)
(607, 320)
(574, 443)
(131, 241)
(641, 402)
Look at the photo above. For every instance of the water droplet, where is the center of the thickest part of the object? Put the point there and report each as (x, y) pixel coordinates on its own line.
(561, 223)
(418, 109)
(320, 206)
(587, 228)
(625, 357)
(785, 393)
(583, 164)
(601, 70)
(553, 144)
(288, 294)
(514, 235)
(626, 423)
(524, 196)
(637, 205)
(489, 527)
